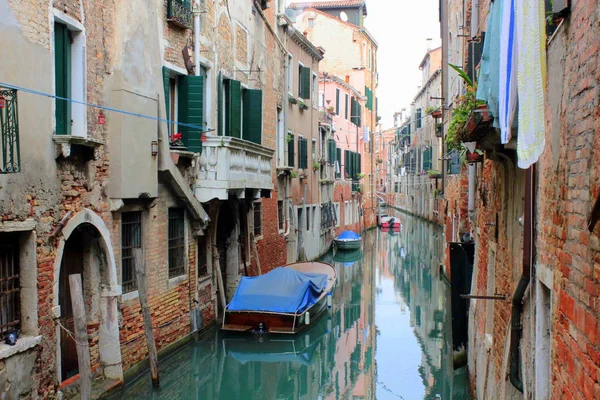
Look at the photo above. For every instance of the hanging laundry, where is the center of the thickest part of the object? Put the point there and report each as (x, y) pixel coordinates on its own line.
(508, 71)
(531, 40)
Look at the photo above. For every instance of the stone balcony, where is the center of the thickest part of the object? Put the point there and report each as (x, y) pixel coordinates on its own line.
(229, 165)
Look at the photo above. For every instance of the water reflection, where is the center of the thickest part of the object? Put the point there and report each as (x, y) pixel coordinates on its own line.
(385, 337)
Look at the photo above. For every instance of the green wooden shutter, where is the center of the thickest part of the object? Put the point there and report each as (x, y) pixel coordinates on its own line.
(337, 101)
(62, 66)
(347, 164)
(353, 112)
(368, 93)
(253, 115)
(346, 107)
(359, 114)
(191, 110)
(305, 79)
(291, 154)
(167, 87)
(419, 116)
(331, 150)
(220, 122)
(303, 153)
(234, 109)
(359, 163)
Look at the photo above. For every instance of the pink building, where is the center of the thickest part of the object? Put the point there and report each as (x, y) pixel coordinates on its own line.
(343, 108)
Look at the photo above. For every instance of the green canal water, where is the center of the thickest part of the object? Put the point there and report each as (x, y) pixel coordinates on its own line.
(387, 336)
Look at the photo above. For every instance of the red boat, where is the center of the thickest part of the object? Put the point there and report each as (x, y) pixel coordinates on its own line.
(390, 222)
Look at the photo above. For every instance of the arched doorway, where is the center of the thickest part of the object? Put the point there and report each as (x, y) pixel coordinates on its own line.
(85, 248)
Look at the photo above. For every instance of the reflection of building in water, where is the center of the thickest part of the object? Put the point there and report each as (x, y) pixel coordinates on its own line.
(415, 261)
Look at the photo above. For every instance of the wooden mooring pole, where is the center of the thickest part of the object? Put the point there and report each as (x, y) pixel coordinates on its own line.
(81, 337)
(140, 272)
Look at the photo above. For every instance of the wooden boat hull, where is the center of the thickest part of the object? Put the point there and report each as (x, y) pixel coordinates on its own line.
(284, 323)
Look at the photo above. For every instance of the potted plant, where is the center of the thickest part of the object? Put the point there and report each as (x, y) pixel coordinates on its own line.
(433, 174)
(435, 112)
(476, 156)
(316, 166)
(292, 99)
(294, 174)
(331, 110)
(360, 175)
(379, 160)
(175, 141)
(302, 105)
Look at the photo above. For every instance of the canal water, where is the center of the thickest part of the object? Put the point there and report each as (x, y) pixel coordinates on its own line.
(387, 336)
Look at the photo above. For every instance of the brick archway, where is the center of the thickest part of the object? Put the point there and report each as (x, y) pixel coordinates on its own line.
(105, 295)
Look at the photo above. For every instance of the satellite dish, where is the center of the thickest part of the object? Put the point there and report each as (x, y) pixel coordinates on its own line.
(344, 16)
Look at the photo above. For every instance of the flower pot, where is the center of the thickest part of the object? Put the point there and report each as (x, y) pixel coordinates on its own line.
(437, 114)
(474, 157)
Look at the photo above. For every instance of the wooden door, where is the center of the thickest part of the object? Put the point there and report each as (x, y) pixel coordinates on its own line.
(72, 263)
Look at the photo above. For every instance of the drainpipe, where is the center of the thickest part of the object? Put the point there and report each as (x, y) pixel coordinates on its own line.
(197, 36)
(472, 178)
(517, 301)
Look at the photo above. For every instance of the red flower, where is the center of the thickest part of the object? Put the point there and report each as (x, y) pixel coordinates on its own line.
(177, 136)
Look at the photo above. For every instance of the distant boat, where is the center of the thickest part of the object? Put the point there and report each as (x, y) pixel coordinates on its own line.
(348, 240)
(285, 300)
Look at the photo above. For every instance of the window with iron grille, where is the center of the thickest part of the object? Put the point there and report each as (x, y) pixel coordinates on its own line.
(176, 242)
(10, 154)
(10, 296)
(280, 216)
(131, 238)
(257, 218)
(202, 260)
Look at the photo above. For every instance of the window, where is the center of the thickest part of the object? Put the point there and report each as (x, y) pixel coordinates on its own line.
(179, 13)
(346, 107)
(291, 145)
(355, 112)
(302, 153)
(304, 85)
(314, 150)
(321, 99)
(62, 77)
(240, 111)
(337, 101)
(202, 256)
(307, 218)
(280, 216)
(176, 242)
(131, 238)
(331, 151)
(337, 214)
(257, 218)
(370, 59)
(290, 73)
(184, 102)
(10, 296)
(311, 22)
(419, 116)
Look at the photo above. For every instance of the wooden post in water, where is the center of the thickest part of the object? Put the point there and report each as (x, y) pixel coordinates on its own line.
(81, 340)
(140, 272)
(255, 250)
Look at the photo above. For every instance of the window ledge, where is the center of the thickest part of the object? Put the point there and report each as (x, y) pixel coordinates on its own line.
(24, 343)
(130, 296)
(66, 143)
(173, 282)
(204, 279)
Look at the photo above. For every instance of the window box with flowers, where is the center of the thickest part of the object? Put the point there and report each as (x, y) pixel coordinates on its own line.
(176, 142)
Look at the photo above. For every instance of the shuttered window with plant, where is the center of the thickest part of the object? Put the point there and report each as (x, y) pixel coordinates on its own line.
(302, 153)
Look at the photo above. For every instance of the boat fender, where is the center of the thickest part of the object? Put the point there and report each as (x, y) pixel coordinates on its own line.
(307, 318)
(329, 300)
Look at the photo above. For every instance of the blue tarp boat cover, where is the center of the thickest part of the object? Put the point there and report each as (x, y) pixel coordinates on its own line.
(348, 235)
(283, 290)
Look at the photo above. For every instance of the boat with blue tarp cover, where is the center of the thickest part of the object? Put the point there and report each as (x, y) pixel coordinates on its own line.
(284, 300)
(348, 240)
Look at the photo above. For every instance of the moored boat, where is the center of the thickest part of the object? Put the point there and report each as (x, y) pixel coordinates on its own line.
(284, 300)
(390, 222)
(348, 240)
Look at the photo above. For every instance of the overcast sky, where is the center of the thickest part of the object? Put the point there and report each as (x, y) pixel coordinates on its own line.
(401, 28)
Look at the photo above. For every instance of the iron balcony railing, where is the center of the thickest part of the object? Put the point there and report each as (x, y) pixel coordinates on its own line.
(10, 154)
(179, 13)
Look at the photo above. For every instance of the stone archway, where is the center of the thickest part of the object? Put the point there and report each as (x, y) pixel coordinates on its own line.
(99, 268)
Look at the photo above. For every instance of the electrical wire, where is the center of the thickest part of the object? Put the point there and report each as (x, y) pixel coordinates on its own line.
(104, 108)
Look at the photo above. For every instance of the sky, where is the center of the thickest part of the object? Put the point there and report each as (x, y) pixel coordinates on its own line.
(401, 28)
